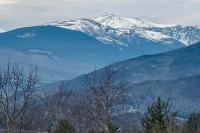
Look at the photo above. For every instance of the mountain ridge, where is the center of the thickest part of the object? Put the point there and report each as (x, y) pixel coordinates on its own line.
(117, 26)
(173, 75)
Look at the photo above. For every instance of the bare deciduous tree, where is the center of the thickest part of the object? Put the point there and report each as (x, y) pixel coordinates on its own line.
(54, 105)
(17, 94)
(105, 93)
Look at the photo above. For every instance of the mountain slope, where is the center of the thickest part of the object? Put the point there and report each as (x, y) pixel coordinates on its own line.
(57, 52)
(182, 93)
(173, 75)
(175, 64)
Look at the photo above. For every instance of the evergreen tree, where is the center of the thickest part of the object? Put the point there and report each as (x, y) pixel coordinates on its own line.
(64, 127)
(157, 119)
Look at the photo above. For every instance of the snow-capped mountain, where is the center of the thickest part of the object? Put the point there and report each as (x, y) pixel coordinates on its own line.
(66, 49)
(123, 30)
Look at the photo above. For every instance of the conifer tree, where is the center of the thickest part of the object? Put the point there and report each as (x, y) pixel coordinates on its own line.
(157, 119)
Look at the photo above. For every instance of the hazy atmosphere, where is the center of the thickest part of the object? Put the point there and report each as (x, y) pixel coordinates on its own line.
(19, 13)
(99, 66)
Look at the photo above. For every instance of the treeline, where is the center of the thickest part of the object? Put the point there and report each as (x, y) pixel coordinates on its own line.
(25, 107)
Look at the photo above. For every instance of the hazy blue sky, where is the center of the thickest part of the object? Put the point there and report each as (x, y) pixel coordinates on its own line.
(19, 13)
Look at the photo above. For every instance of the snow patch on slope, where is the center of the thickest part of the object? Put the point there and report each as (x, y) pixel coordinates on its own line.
(83, 25)
(124, 109)
(108, 41)
(155, 36)
(41, 52)
(91, 28)
(26, 35)
(50, 69)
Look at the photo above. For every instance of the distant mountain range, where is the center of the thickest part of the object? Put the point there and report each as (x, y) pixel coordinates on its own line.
(175, 76)
(66, 49)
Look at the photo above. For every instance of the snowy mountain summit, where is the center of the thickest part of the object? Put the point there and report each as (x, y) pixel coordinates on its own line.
(127, 23)
(1, 30)
(124, 30)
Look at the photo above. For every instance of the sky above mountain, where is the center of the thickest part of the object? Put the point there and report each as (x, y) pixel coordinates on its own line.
(20, 13)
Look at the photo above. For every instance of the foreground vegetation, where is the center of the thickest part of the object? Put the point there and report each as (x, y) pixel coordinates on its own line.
(25, 109)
